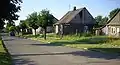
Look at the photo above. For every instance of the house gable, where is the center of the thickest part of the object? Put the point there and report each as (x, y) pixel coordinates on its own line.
(83, 17)
(77, 16)
(115, 20)
(88, 17)
(112, 28)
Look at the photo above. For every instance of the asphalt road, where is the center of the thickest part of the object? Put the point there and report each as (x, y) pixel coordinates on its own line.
(28, 52)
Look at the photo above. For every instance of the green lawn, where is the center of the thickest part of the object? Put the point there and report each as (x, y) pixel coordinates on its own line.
(94, 43)
(5, 58)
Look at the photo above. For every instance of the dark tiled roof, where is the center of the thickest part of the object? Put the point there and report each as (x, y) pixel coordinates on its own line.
(69, 16)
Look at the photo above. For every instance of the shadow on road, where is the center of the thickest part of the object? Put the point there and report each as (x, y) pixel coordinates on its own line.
(8, 39)
(89, 54)
(21, 61)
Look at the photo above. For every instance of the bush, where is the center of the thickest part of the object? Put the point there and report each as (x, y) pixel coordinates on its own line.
(85, 34)
(12, 28)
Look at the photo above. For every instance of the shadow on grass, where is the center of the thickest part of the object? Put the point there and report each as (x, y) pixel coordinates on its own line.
(5, 59)
(92, 40)
(95, 40)
(89, 54)
(32, 36)
(106, 50)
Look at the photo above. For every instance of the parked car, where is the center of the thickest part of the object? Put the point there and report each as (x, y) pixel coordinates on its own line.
(12, 33)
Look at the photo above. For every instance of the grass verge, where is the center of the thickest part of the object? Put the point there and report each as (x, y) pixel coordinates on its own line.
(93, 43)
(5, 58)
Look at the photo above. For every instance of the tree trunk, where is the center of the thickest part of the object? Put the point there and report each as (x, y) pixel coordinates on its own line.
(35, 32)
(18, 33)
(45, 33)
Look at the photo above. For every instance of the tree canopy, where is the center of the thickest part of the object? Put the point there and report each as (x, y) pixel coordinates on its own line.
(41, 19)
(22, 24)
(45, 19)
(113, 12)
(17, 28)
(100, 20)
(9, 24)
(8, 10)
(12, 28)
(32, 20)
(2, 24)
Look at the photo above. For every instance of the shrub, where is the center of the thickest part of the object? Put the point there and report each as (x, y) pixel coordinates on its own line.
(12, 28)
(86, 34)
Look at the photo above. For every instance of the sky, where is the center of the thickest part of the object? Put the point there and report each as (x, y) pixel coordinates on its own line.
(60, 7)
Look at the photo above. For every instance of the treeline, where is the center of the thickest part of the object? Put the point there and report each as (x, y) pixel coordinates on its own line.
(101, 20)
(34, 20)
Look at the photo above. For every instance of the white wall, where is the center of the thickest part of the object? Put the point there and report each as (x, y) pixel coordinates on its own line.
(56, 29)
(33, 31)
(105, 30)
(37, 31)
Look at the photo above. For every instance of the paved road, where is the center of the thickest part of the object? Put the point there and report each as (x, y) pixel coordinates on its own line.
(28, 52)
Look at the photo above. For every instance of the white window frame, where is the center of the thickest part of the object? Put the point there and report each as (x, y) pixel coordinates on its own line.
(118, 30)
(113, 30)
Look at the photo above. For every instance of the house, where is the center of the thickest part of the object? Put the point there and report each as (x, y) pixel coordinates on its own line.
(75, 21)
(112, 28)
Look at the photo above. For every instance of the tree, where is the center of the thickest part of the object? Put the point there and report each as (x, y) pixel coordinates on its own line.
(12, 28)
(103, 21)
(32, 21)
(8, 9)
(100, 20)
(17, 28)
(23, 26)
(113, 12)
(2, 25)
(9, 24)
(45, 19)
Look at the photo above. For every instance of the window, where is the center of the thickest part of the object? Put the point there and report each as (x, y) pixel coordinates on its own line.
(86, 29)
(118, 30)
(113, 30)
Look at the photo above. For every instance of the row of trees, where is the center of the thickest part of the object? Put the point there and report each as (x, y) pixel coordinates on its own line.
(100, 20)
(36, 20)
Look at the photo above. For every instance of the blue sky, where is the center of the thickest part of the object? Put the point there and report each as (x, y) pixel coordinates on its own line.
(59, 7)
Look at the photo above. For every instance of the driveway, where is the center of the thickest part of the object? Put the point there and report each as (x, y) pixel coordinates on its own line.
(28, 52)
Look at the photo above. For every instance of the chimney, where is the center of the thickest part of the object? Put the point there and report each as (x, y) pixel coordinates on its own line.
(74, 8)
